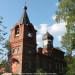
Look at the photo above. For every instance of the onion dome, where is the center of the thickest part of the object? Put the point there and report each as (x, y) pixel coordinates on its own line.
(47, 35)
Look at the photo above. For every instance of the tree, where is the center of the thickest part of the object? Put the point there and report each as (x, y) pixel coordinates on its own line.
(6, 63)
(66, 13)
(7, 46)
(4, 47)
(68, 42)
(2, 39)
(70, 66)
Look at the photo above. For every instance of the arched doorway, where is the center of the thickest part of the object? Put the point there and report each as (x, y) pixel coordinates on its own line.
(15, 64)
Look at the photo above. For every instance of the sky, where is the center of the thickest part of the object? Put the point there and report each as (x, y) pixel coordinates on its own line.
(41, 13)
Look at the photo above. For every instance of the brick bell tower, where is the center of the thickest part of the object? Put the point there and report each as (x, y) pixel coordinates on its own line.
(23, 46)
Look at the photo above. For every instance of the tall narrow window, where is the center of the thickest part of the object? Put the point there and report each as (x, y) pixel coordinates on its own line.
(17, 30)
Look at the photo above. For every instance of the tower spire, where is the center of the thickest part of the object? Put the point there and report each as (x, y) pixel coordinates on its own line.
(25, 19)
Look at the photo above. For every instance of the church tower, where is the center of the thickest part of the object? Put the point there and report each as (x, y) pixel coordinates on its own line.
(23, 45)
(47, 40)
(47, 43)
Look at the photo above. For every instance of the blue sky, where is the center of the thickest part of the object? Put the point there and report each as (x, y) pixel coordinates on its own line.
(40, 11)
(41, 14)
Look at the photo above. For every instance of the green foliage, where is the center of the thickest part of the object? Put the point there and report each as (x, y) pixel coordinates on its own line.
(71, 67)
(66, 13)
(68, 42)
(3, 33)
(7, 46)
(4, 47)
(5, 64)
(41, 72)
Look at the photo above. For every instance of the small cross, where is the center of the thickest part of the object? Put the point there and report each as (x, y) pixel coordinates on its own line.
(26, 2)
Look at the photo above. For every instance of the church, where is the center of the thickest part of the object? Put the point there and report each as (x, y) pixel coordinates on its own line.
(26, 59)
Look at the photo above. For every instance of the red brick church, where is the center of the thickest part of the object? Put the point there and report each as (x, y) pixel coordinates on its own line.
(25, 58)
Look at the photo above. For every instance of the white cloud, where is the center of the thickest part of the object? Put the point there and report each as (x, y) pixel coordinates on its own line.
(43, 28)
(54, 17)
(39, 38)
(57, 30)
(59, 38)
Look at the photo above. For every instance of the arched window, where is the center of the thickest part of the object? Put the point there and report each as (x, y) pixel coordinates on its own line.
(17, 30)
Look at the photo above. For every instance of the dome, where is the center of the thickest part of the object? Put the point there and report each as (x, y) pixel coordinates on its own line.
(47, 35)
